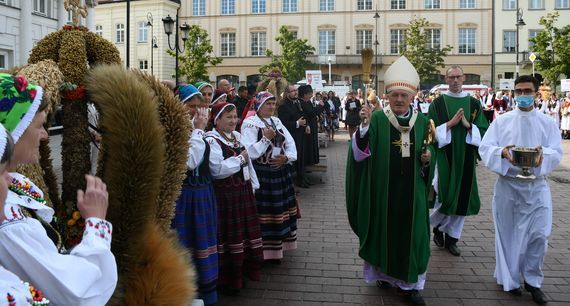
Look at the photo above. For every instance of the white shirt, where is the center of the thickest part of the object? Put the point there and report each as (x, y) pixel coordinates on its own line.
(197, 149)
(255, 149)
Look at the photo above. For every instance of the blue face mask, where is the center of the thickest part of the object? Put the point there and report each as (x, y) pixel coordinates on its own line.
(525, 101)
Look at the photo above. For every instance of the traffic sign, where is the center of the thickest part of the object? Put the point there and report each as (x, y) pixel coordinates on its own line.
(532, 57)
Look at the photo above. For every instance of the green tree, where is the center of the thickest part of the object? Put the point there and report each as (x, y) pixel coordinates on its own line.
(194, 61)
(551, 48)
(293, 60)
(419, 52)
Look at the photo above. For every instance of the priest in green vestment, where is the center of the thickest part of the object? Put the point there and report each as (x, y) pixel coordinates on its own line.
(460, 126)
(386, 188)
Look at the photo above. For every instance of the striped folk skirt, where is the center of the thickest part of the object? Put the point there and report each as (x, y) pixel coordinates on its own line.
(276, 210)
(240, 251)
(196, 224)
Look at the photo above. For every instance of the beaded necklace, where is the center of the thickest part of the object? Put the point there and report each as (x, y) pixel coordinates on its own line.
(233, 140)
(25, 189)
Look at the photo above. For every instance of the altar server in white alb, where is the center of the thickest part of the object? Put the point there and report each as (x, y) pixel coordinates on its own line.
(522, 208)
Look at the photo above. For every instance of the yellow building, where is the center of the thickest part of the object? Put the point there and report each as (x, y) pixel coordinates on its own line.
(506, 32)
(241, 30)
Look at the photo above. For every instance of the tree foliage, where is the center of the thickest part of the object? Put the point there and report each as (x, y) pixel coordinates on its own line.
(293, 60)
(418, 50)
(194, 61)
(552, 64)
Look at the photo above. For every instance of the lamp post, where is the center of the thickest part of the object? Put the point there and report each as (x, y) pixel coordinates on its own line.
(168, 29)
(519, 24)
(376, 43)
(149, 21)
(154, 46)
(330, 62)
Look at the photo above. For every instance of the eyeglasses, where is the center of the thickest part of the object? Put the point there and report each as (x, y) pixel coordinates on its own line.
(524, 92)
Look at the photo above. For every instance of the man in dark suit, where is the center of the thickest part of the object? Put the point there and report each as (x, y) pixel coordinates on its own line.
(291, 115)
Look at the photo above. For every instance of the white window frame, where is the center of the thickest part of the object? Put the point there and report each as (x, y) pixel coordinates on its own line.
(326, 5)
(198, 7)
(397, 4)
(39, 5)
(6, 56)
(434, 41)
(536, 4)
(397, 40)
(509, 43)
(562, 4)
(467, 4)
(363, 40)
(290, 6)
(142, 33)
(228, 44)
(143, 65)
(467, 35)
(327, 42)
(120, 33)
(432, 4)
(99, 30)
(509, 5)
(228, 7)
(258, 43)
(364, 5)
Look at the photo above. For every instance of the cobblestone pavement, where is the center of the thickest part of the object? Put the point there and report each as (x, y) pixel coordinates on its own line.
(326, 270)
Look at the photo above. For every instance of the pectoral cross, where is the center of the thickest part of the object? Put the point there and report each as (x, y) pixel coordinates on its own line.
(402, 144)
(76, 9)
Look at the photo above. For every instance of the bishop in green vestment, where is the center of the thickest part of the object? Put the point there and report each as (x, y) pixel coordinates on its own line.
(386, 188)
(460, 126)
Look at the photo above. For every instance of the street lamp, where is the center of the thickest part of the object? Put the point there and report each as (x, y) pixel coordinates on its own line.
(330, 62)
(168, 29)
(149, 21)
(376, 43)
(519, 24)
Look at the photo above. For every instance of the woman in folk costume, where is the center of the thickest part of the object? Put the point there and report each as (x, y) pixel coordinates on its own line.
(13, 291)
(196, 217)
(272, 150)
(552, 109)
(565, 117)
(29, 245)
(207, 91)
(240, 249)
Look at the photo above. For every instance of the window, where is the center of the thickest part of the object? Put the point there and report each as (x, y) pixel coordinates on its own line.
(397, 40)
(363, 40)
(532, 34)
(99, 30)
(143, 32)
(289, 6)
(327, 42)
(40, 7)
(535, 4)
(143, 64)
(3, 61)
(433, 38)
(258, 43)
(326, 5)
(398, 4)
(120, 33)
(509, 41)
(363, 5)
(432, 4)
(562, 4)
(228, 7)
(509, 4)
(467, 4)
(295, 34)
(467, 41)
(258, 6)
(199, 7)
(228, 44)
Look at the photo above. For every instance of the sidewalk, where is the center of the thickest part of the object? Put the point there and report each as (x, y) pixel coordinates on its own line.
(326, 270)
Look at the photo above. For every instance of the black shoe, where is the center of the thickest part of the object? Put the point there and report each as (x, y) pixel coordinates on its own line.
(537, 294)
(451, 245)
(516, 292)
(438, 237)
(383, 284)
(412, 296)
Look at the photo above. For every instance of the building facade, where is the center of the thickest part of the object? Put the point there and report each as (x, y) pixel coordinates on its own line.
(23, 23)
(148, 43)
(506, 32)
(241, 31)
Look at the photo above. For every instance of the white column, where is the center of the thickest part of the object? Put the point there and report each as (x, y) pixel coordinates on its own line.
(26, 43)
(90, 22)
(61, 14)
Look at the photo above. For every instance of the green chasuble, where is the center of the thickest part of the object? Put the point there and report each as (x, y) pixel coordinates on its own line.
(456, 162)
(386, 199)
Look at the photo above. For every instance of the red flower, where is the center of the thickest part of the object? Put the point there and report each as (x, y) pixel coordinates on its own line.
(33, 93)
(20, 83)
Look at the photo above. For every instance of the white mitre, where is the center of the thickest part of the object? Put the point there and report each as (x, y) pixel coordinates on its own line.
(402, 75)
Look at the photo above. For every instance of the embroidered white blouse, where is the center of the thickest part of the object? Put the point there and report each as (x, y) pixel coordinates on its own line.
(221, 168)
(86, 276)
(250, 129)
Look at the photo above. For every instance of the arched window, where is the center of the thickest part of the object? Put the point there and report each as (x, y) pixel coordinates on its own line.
(253, 79)
(471, 79)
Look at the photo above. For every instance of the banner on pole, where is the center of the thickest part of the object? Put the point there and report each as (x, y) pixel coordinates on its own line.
(506, 84)
(315, 79)
(565, 84)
